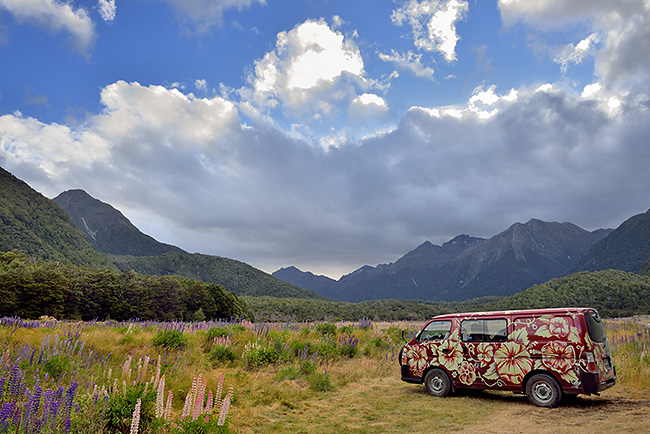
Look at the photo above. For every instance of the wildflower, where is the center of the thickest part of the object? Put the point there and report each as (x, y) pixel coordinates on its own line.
(135, 420)
(225, 408)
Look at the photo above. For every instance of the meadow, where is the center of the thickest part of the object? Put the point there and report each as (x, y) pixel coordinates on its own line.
(242, 377)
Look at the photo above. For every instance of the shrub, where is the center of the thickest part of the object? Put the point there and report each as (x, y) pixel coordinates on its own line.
(120, 410)
(307, 367)
(57, 365)
(320, 382)
(221, 354)
(256, 356)
(169, 339)
(326, 329)
(300, 348)
(217, 332)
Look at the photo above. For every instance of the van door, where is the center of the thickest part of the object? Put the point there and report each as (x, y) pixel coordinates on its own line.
(480, 341)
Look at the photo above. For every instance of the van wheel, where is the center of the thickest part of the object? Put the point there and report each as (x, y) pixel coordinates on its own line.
(543, 391)
(437, 383)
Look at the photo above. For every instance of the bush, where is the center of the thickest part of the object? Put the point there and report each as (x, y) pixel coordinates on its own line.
(173, 339)
(217, 332)
(326, 329)
(120, 410)
(221, 354)
(57, 365)
(256, 356)
(320, 382)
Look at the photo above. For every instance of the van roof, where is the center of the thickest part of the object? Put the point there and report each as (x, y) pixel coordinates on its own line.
(548, 311)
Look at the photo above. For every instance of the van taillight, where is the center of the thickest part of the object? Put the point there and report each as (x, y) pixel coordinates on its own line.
(591, 362)
(404, 358)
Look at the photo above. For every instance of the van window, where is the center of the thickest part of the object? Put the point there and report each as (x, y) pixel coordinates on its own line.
(484, 330)
(435, 330)
(595, 326)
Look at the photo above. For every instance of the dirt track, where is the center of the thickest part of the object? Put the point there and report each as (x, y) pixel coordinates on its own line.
(613, 412)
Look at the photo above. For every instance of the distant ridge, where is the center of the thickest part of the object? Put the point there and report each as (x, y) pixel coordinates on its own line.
(107, 228)
(464, 267)
(627, 248)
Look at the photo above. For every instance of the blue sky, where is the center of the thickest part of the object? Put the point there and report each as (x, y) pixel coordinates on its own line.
(330, 134)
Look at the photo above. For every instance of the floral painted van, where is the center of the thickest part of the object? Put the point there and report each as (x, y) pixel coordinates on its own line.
(545, 353)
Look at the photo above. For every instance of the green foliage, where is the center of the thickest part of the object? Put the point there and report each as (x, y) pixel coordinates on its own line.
(320, 382)
(217, 332)
(200, 426)
(30, 288)
(235, 276)
(172, 339)
(326, 329)
(221, 354)
(645, 271)
(57, 365)
(120, 410)
(256, 355)
(33, 224)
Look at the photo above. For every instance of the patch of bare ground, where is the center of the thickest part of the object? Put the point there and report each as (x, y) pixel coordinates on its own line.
(614, 411)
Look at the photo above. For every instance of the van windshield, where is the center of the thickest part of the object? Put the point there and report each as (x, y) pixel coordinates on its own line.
(595, 326)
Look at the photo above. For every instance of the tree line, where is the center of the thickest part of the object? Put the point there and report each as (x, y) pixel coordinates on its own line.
(30, 288)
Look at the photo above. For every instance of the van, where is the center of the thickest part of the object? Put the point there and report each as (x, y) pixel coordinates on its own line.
(547, 354)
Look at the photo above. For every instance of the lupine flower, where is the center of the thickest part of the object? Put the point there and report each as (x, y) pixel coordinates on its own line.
(135, 420)
(225, 408)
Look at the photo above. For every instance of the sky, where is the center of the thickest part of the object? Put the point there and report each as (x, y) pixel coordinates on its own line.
(330, 134)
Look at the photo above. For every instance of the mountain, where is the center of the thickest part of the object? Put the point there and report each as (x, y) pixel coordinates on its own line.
(35, 225)
(515, 259)
(107, 229)
(233, 275)
(129, 249)
(402, 279)
(464, 267)
(627, 248)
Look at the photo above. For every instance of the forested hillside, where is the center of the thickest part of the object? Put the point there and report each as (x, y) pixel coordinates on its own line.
(31, 288)
(613, 293)
(235, 276)
(35, 225)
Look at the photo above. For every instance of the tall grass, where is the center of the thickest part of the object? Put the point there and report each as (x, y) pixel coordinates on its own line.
(231, 376)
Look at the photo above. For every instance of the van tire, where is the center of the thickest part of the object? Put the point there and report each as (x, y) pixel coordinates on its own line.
(437, 383)
(543, 391)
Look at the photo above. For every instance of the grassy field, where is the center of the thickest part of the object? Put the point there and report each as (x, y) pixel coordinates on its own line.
(238, 377)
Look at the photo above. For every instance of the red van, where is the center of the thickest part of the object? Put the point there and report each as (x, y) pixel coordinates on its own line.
(545, 353)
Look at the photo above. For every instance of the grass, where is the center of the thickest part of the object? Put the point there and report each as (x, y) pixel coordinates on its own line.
(299, 377)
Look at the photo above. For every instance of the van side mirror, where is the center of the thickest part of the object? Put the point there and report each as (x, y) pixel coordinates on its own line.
(404, 335)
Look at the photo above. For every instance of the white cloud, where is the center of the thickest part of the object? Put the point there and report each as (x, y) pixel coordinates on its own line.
(204, 14)
(56, 16)
(107, 9)
(410, 62)
(623, 57)
(256, 194)
(367, 106)
(433, 24)
(577, 54)
(311, 70)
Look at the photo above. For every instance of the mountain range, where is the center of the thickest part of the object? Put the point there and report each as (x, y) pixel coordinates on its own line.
(82, 230)
(464, 267)
(79, 229)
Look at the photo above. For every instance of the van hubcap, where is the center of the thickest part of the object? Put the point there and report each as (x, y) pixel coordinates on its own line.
(436, 384)
(543, 391)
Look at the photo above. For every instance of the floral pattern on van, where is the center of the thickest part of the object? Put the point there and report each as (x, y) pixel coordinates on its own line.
(546, 342)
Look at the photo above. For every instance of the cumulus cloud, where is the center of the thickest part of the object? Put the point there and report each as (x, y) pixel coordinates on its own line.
(408, 61)
(107, 9)
(204, 14)
(622, 58)
(367, 106)
(254, 193)
(433, 24)
(310, 71)
(55, 16)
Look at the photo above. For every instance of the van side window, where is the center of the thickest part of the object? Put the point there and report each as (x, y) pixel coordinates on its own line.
(435, 330)
(484, 330)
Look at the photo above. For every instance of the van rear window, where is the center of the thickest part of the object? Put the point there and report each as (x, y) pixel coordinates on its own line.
(595, 326)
